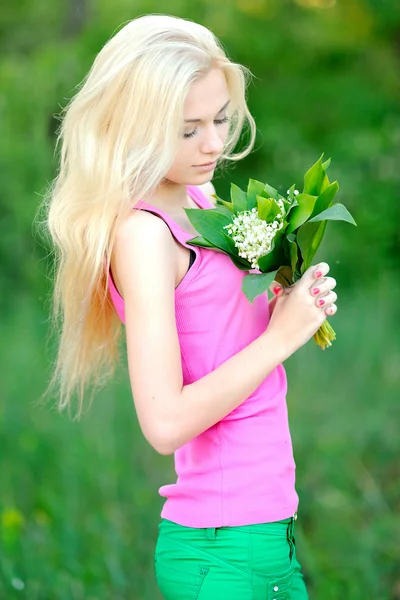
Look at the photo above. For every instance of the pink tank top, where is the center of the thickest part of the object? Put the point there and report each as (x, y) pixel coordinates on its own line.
(241, 470)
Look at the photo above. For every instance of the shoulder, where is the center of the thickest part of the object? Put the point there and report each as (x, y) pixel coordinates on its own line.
(208, 190)
(142, 229)
(137, 236)
(138, 220)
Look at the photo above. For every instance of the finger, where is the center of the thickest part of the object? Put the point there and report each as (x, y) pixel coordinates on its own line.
(276, 288)
(321, 286)
(315, 272)
(321, 270)
(326, 300)
(288, 288)
(331, 310)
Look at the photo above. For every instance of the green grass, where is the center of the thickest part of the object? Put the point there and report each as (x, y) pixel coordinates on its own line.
(78, 501)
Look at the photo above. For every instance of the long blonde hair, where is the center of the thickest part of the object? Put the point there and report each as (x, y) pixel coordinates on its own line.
(118, 138)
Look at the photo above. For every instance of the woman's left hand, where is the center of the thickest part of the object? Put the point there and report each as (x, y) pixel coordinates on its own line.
(277, 290)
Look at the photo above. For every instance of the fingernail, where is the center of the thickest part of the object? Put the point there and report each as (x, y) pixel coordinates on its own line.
(276, 289)
(318, 274)
(315, 291)
(321, 302)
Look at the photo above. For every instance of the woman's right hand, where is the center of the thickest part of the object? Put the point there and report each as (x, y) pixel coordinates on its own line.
(300, 310)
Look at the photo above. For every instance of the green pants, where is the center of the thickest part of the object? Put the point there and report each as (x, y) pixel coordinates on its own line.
(249, 562)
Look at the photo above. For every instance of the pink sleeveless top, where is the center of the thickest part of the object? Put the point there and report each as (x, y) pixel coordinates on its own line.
(241, 470)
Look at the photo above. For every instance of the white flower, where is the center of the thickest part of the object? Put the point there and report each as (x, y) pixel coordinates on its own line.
(253, 236)
(296, 192)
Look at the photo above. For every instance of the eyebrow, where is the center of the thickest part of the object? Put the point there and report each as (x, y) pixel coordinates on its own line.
(198, 120)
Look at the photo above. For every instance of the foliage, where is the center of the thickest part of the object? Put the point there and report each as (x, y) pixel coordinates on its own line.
(78, 502)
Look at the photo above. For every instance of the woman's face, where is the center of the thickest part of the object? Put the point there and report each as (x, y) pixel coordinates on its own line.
(204, 130)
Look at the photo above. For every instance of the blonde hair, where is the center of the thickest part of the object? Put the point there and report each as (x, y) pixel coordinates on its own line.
(119, 135)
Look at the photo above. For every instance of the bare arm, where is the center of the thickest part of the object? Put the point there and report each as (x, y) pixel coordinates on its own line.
(169, 413)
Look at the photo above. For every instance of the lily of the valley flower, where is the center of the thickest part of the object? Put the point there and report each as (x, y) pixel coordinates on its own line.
(261, 229)
(253, 236)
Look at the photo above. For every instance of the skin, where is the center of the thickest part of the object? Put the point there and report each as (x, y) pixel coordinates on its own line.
(204, 131)
(203, 104)
(147, 265)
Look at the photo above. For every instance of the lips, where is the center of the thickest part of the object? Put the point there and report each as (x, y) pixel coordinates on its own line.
(207, 164)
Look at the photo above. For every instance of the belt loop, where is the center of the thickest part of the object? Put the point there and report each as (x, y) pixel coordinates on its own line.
(290, 529)
(210, 533)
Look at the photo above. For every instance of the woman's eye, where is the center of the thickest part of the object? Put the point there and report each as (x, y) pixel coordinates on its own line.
(191, 134)
(220, 121)
(217, 121)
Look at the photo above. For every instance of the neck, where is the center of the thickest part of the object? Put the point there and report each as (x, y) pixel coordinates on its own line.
(171, 197)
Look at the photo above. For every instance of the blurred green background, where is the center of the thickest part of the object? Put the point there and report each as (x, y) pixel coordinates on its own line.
(79, 506)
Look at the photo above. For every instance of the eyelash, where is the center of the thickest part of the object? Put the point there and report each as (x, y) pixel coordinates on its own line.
(217, 121)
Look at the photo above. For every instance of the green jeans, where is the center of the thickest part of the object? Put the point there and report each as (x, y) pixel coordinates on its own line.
(248, 562)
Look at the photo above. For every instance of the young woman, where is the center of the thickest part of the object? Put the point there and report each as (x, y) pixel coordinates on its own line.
(161, 107)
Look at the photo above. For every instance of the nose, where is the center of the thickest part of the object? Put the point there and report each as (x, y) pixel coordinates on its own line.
(212, 142)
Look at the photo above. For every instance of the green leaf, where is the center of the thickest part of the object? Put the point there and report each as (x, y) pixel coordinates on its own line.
(291, 196)
(224, 203)
(309, 238)
(284, 276)
(200, 241)
(300, 213)
(315, 180)
(267, 208)
(293, 255)
(232, 248)
(255, 284)
(229, 248)
(271, 191)
(274, 258)
(287, 205)
(318, 238)
(326, 164)
(254, 189)
(239, 198)
(240, 263)
(237, 260)
(324, 200)
(209, 224)
(270, 261)
(337, 212)
(222, 210)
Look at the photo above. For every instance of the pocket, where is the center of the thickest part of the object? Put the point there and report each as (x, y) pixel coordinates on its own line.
(179, 579)
(279, 587)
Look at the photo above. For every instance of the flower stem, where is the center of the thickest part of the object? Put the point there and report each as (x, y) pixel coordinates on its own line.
(325, 335)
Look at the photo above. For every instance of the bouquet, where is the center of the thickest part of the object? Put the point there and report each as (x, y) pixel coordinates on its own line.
(259, 229)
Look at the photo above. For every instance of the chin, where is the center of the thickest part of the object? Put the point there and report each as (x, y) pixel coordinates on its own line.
(193, 179)
(200, 180)
(206, 176)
